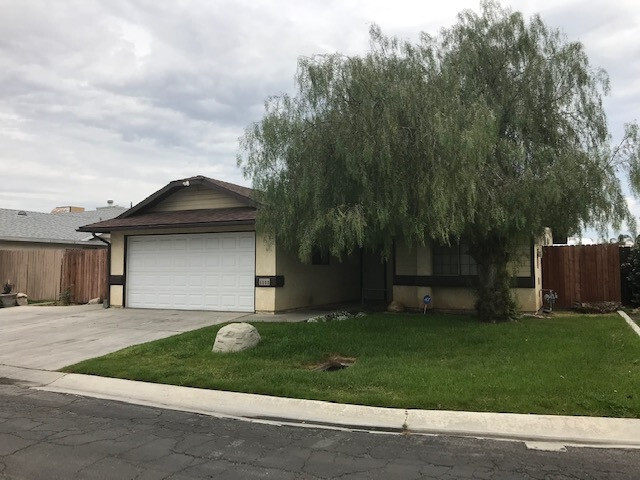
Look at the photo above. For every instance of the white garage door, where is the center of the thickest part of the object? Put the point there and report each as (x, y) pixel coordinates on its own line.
(208, 271)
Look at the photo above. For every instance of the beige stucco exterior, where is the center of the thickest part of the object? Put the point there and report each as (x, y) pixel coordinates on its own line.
(196, 197)
(308, 285)
(417, 260)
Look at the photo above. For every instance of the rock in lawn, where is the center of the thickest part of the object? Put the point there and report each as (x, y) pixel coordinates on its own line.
(236, 337)
(94, 301)
(395, 307)
(21, 299)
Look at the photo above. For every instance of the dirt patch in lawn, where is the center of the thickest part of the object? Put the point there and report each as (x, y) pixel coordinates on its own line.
(333, 363)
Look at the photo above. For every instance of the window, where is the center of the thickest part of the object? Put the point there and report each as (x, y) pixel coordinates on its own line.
(453, 260)
(446, 260)
(467, 263)
(320, 256)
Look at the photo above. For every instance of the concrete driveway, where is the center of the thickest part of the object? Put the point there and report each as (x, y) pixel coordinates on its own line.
(51, 337)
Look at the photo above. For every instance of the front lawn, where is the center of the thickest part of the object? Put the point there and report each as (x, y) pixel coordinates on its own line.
(571, 365)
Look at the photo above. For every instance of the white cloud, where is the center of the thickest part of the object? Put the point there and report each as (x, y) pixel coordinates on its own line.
(114, 99)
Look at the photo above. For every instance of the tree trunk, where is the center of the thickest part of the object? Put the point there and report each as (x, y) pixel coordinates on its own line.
(494, 302)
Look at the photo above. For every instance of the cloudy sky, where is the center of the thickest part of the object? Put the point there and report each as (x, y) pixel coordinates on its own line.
(113, 99)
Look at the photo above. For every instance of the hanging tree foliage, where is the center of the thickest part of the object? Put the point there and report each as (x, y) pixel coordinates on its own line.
(489, 131)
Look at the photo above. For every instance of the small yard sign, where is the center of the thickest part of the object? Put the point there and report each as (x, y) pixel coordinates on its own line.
(427, 301)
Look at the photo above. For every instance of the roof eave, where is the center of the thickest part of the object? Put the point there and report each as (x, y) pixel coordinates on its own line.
(166, 225)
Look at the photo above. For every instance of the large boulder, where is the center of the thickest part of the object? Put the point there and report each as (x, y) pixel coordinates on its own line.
(21, 299)
(236, 337)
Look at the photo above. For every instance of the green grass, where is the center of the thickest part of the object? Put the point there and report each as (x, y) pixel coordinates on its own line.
(571, 365)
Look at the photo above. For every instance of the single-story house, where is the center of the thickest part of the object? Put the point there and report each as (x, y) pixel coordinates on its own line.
(26, 230)
(193, 245)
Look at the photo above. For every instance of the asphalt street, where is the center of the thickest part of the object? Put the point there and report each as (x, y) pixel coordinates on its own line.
(46, 435)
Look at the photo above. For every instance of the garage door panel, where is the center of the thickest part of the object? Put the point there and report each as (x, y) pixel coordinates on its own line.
(180, 281)
(196, 244)
(228, 244)
(195, 262)
(245, 243)
(246, 300)
(212, 261)
(229, 261)
(245, 261)
(173, 244)
(229, 281)
(192, 271)
(163, 299)
(228, 301)
(212, 243)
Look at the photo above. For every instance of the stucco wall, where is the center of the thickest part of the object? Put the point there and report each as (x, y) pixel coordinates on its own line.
(265, 265)
(313, 285)
(458, 298)
(412, 260)
(196, 197)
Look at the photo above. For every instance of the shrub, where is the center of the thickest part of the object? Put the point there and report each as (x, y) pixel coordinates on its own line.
(631, 270)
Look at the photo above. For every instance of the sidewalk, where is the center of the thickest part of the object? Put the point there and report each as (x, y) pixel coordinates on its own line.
(551, 432)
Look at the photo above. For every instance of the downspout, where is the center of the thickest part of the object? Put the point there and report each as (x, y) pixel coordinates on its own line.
(107, 301)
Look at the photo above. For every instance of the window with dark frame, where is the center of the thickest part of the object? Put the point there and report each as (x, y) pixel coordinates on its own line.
(453, 260)
(467, 263)
(320, 256)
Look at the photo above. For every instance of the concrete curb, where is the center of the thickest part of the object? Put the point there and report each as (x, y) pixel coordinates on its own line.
(545, 429)
(552, 429)
(29, 376)
(631, 323)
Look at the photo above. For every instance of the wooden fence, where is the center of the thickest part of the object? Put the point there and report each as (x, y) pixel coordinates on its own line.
(44, 274)
(84, 273)
(582, 273)
(34, 272)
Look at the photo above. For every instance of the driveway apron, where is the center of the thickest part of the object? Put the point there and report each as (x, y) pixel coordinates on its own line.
(51, 337)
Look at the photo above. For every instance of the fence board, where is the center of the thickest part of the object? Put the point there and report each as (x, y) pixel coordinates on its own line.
(34, 272)
(84, 272)
(582, 273)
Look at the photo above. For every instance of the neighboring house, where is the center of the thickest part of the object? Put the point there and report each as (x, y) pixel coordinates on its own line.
(193, 245)
(25, 230)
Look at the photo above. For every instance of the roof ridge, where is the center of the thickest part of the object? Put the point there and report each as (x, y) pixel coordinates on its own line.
(23, 210)
(222, 183)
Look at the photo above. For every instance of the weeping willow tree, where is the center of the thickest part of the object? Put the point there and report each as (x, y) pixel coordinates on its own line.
(489, 132)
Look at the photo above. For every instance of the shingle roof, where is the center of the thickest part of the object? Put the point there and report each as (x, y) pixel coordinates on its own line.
(244, 191)
(50, 227)
(181, 218)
